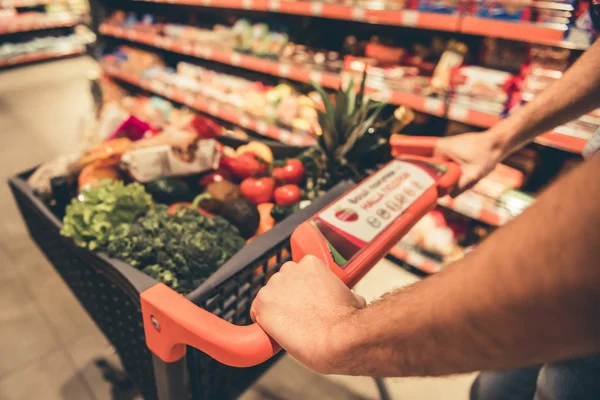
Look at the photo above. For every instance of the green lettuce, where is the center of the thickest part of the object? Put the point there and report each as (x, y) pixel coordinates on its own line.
(96, 212)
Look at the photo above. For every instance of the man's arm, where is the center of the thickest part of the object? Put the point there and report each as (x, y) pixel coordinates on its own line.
(575, 94)
(529, 294)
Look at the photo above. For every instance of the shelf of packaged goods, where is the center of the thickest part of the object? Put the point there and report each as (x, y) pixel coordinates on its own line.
(224, 56)
(513, 30)
(43, 55)
(425, 104)
(209, 106)
(474, 207)
(411, 18)
(551, 139)
(25, 26)
(271, 67)
(415, 259)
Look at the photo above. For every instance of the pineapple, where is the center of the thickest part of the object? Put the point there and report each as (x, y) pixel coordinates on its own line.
(346, 135)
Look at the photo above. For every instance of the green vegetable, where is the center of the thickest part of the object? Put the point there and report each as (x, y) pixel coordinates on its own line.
(96, 212)
(279, 212)
(243, 214)
(169, 190)
(180, 250)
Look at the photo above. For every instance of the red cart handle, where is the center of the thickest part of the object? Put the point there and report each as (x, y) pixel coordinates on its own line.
(171, 322)
(414, 145)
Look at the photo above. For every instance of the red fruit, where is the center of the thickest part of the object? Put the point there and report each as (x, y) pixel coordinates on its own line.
(219, 175)
(205, 128)
(291, 172)
(287, 195)
(244, 165)
(258, 191)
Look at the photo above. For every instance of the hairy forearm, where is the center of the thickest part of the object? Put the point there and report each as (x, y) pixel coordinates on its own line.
(528, 294)
(575, 94)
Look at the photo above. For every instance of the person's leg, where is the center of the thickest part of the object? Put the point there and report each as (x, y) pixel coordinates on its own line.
(517, 384)
(577, 379)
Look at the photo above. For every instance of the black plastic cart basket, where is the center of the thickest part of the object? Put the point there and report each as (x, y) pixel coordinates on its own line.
(110, 292)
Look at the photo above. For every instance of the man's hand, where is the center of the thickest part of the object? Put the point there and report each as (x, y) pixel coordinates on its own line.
(477, 153)
(302, 308)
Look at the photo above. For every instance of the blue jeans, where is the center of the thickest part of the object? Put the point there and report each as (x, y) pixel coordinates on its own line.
(577, 379)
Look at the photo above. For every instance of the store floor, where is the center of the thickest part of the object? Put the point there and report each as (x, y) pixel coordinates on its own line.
(48, 344)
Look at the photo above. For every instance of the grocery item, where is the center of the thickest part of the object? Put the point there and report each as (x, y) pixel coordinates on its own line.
(287, 195)
(243, 214)
(291, 172)
(92, 216)
(154, 162)
(258, 190)
(168, 190)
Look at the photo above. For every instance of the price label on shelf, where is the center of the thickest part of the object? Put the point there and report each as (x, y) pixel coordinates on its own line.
(458, 113)
(156, 87)
(284, 70)
(385, 96)
(188, 48)
(358, 13)
(316, 76)
(410, 18)
(213, 109)
(284, 136)
(261, 128)
(247, 4)
(433, 106)
(203, 51)
(206, 2)
(316, 8)
(274, 5)
(188, 99)
(244, 121)
(235, 59)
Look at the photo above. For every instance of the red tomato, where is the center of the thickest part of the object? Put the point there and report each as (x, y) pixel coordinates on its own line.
(244, 165)
(291, 172)
(258, 190)
(287, 195)
(219, 175)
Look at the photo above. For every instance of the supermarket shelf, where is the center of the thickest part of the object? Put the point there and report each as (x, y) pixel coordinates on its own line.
(19, 26)
(25, 3)
(472, 207)
(209, 106)
(289, 71)
(415, 259)
(525, 32)
(551, 139)
(45, 55)
(230, 57)
(412, 18)
(520, 31)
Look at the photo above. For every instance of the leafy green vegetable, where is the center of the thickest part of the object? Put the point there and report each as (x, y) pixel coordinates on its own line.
(96, 212)
(181, 250)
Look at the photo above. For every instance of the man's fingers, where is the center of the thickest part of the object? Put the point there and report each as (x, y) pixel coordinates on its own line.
(362, 303)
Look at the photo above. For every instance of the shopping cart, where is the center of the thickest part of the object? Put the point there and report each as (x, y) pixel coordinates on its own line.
(157, 333)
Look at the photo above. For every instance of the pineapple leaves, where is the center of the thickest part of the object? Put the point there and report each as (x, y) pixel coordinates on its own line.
(329, 110)
(328, 133)
(361, 91)
(359, 130)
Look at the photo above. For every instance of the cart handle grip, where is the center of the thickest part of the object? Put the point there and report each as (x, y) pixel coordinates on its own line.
(171, 322)
(413, 145)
